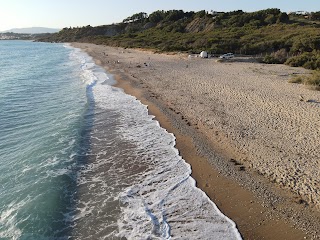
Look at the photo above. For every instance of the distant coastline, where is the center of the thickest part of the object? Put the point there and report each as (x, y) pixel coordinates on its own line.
(16, 36)
(32, 30)
(32, 33)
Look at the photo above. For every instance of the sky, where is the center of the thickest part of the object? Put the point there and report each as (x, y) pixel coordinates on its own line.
(73, 13)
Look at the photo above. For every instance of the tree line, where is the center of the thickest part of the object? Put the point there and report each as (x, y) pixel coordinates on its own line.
(279, 37)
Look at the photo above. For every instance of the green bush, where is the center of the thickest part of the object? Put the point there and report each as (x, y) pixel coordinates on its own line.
(308, 60)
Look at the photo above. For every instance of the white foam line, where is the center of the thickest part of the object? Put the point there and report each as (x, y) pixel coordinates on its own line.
(169, 196)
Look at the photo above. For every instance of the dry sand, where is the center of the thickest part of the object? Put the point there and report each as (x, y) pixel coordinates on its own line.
(254, 147)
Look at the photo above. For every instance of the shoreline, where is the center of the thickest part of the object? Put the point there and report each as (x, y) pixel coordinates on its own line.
(216, 167)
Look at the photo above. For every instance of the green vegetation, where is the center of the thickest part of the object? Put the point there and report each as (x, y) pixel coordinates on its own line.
(279, 56)
(309, 60)
(292, 39)
(312, 81)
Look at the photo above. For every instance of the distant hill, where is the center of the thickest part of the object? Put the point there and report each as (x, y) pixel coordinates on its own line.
(33, 30)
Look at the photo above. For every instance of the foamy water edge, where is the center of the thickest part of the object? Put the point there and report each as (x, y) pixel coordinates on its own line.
(165, 203)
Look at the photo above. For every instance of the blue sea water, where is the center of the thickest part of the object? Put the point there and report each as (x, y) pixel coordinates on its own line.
(43, 107)
(80, 159)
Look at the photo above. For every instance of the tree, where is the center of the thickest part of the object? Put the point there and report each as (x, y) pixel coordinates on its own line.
(156, 16)
(174, 15)
(138, 17)
(283, 18)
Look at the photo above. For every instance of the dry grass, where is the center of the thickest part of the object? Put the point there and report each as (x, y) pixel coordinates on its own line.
(296, 79)
(311, 81)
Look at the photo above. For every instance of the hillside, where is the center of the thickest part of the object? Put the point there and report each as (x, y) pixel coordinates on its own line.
(279, 37)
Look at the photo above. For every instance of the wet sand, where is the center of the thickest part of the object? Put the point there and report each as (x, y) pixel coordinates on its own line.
(252, 144)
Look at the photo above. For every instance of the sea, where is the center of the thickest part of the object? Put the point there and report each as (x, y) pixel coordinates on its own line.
(80, 159)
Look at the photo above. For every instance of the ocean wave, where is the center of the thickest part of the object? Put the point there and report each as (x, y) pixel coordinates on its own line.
(162, 201)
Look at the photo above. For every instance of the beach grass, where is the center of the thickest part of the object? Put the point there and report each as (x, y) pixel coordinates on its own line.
(296, 79)
(311, 81)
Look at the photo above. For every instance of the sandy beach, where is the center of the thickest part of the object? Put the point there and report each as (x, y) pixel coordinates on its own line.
(253, 143)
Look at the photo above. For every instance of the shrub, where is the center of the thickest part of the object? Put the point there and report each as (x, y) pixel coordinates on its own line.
(283, 17)
(279, 56)
(309, 60)
(296, 79)
(312, 81)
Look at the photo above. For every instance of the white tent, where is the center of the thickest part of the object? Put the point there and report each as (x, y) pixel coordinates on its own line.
(204, 54)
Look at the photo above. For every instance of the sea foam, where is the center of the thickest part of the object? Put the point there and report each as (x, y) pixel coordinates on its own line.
(162, 201)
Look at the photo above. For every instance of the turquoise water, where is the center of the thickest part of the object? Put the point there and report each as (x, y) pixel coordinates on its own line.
(80, 159)
(43, 106)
